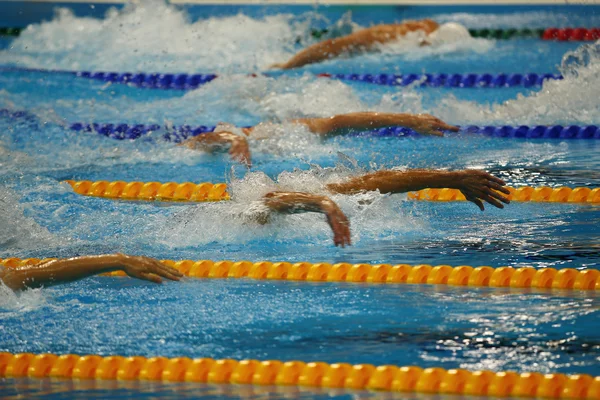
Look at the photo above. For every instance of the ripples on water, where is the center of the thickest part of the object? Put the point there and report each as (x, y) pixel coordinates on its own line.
(491, 330)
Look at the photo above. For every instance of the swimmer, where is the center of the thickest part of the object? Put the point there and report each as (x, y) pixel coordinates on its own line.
(72, 269)
(476, 186)
(224, 135)
(368, 39)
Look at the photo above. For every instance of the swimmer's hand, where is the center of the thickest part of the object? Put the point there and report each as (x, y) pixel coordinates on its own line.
(279, 66)
(148, 269)
(65, 270)
(479, 186)
(218, 141)
(240, 151)
(295, 202)
(339, 224)
(426, 124)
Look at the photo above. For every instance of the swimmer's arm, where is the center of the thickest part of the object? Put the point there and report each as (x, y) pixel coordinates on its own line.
(72, 269)
(477, 186)
(362, 40)
(294, 202)
(424, 124)
(358, 41)
(217, 141)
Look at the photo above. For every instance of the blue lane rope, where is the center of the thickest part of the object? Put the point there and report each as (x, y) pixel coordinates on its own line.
(450, 80)
(179, 133)
(193, 81)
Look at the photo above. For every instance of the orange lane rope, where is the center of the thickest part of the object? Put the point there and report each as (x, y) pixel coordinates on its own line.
(316, 374)
(463, 275)
(188, 191)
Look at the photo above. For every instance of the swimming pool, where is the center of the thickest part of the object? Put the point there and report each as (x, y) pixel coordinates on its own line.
(495, 329)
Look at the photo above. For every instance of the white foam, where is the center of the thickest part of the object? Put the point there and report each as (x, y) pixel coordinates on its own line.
(154, 36)
(572, 100)
(18, 232)
(18, 303)
(410, 47)
(372, 215)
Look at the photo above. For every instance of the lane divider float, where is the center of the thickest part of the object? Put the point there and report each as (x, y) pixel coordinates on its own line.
(463, 275)
(571, 34)
(299, 373)
(178, 133)
(525, 194)
(170, 191)
(561, 34)
(193, 81)
(189, 191)
(450, 80)
(10, 31)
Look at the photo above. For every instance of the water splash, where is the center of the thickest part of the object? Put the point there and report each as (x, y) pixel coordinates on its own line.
(155, 36)
(572, 100)
(17, 304)
(410, 47)
(372, 215)
(158, 37)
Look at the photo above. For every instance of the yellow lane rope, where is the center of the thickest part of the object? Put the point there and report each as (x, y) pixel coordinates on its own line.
(298, 373)
(188, 191)
(525, 193)
(170, 191)
(463, 275)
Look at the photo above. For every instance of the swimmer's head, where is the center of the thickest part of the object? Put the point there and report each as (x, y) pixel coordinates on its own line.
(448, 33)
(429, 25)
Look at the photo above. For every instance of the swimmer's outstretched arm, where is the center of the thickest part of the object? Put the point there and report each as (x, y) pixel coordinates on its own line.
(424, 124)
(216, 141)
(294, 202)
(72, 269)
(477, 186)
(362, 40)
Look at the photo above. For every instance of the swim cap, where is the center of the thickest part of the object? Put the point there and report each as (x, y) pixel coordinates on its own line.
(448, 33)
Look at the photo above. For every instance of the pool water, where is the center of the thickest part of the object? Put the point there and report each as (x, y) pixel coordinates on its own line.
(449, 327)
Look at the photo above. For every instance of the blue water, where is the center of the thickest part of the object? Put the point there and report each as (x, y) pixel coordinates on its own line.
(496, 329)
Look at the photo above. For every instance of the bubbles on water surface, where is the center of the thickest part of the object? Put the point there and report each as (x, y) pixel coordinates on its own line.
(16, 230)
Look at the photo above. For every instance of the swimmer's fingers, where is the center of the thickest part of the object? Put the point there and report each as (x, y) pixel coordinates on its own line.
(496, 195)
(490, 196)
(475, 200)
(150, 277)
(428, 130)
(240, 151)
(149, 269)
(495, 179)
(451, 128)
(163, 270)
(340, 226)
(492, 201)
(498, 187)
(341, 235)
(441, 125)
